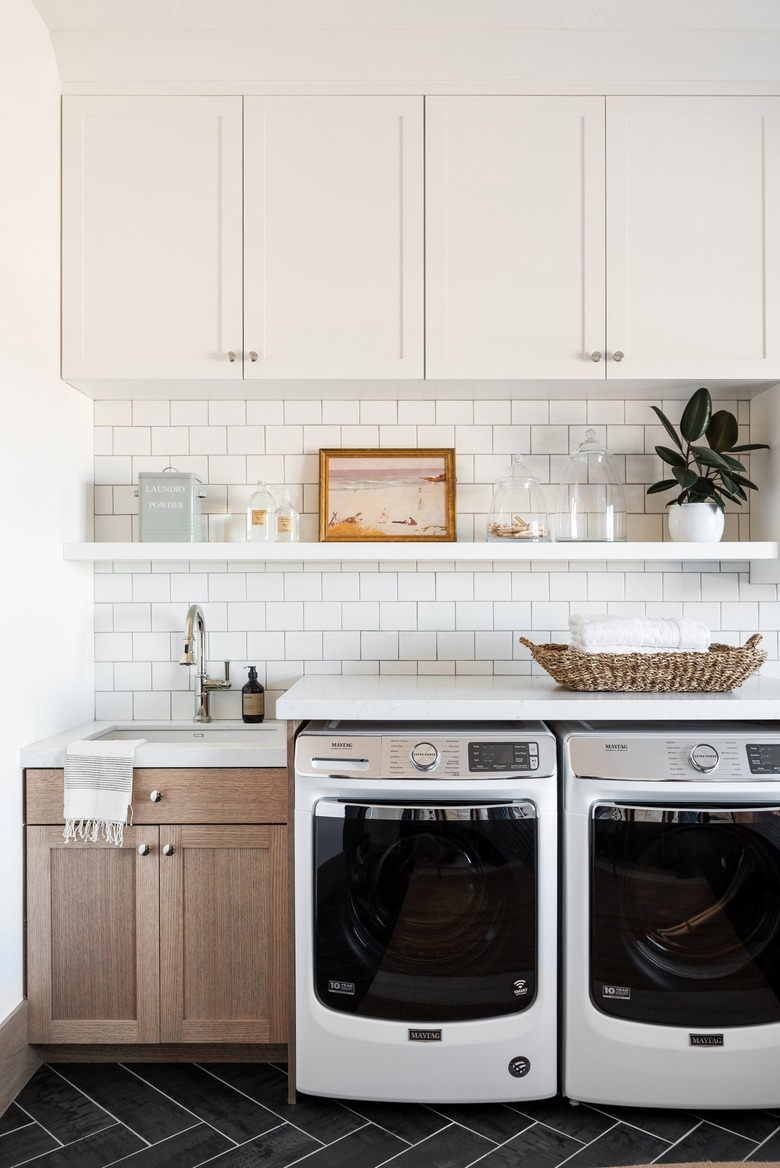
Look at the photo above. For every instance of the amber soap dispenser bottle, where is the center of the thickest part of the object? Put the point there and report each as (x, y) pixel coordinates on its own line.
(253, 698)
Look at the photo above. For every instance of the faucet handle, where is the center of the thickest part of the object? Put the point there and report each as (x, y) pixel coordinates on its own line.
(227, 671)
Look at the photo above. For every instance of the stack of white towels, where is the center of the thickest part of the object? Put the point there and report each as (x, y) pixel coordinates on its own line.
(637, 634)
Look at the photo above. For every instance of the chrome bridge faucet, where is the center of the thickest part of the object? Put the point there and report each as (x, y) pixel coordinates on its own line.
(195, 635)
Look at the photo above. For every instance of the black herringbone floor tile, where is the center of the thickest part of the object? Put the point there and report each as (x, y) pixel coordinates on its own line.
(620, 1145)
(13, 1118)
(708, 1142)
(411, 1121)
(104, 1147)
(493, 1120)
(276, 1149)
(454, 1147)
(23, 1144)
(143, 1108)
(536, 1147)
(230, 1112)
(59, 1107)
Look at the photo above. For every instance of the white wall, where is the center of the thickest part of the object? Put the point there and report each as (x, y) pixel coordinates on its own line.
(45, 457)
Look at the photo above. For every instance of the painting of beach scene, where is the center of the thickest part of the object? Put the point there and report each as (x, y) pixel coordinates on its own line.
(387, 495)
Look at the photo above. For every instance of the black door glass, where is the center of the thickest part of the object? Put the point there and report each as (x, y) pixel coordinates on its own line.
(426, 917)
(685, 915)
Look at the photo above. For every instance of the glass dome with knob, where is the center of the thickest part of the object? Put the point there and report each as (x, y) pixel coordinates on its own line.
(591, 502)
(518, 510)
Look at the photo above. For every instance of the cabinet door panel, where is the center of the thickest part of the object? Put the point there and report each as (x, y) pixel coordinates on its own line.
(92, 938)
(151, 237)
(514, 236)
(223, 935)
(693, 236)
(333, 264)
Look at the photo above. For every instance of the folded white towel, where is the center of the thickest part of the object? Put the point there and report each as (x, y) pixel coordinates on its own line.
(595, 633)
(98, 789)
(633, 649)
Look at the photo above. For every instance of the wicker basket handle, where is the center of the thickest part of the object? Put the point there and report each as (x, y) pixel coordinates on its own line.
(751, 642)
(528, 644)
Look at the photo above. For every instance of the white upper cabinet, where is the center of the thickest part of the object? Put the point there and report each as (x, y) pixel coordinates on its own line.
(693, 237)
(333, 243)
(152, 236)
(515, 237)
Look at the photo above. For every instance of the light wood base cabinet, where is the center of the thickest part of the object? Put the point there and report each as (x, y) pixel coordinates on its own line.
(179, 936)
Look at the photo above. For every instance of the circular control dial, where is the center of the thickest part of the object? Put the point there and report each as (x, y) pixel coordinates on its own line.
(704, 758)
(424, 756)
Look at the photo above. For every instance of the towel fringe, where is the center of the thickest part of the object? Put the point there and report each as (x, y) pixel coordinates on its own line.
(90, 830)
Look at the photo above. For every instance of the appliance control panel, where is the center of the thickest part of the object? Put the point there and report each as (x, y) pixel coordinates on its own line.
(705, 753)
(440, 753)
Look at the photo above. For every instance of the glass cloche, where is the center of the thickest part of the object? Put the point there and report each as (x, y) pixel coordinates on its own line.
(591, 502)
(518, 509)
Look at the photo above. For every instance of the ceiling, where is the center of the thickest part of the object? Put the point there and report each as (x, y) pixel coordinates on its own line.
(454, 15)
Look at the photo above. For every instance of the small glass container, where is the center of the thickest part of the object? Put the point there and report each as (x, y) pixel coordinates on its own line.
(286, 521)
(260, 515)
(518, 510)
(591, 501)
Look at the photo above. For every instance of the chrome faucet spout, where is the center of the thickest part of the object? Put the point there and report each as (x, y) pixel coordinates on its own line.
(195, 654)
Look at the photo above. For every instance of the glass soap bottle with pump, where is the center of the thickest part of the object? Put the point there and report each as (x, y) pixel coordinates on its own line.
(259, 515)
(253, 698)
(286, 520)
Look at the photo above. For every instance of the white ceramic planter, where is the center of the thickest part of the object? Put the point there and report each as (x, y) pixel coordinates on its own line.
(695, 522)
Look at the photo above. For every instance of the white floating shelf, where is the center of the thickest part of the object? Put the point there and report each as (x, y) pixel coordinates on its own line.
(421, 552)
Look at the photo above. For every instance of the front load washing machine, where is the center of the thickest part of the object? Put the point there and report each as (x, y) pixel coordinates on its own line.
(671, 914)
(425, 887)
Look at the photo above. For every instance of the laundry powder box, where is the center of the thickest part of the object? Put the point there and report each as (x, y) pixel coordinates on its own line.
(169, 506)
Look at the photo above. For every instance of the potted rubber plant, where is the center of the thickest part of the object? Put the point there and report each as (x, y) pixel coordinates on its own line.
(705, 476)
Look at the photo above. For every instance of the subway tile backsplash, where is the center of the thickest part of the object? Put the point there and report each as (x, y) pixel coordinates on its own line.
(291, 619)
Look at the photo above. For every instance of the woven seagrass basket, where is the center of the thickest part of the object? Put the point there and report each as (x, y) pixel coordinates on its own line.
(722, 667)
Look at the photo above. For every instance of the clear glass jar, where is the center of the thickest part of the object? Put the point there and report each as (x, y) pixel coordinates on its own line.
(286, 520)
(259, 515)
(591, 501)
(518, 510)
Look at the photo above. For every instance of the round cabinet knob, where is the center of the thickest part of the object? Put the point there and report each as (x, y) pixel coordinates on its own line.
(618, 356)
(704, 758)
(231, 356)
(144, 849)
(253, 356)
(424, 756)
(168, 849)
(595, 356)
(155, 796)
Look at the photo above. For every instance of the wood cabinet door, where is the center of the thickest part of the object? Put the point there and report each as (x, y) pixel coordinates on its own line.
(92, 938)
(514, 237)
(333, 237)
(223, 934)
(693, 237)
(151, 237)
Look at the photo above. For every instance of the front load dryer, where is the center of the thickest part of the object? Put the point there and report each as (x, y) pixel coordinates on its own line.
(671, 914)
(426, 897)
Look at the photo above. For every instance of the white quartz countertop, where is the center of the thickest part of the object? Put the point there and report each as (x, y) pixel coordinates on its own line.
(418, 698)
(176, 744)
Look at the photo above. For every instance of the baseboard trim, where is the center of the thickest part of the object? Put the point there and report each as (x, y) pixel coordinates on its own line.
(18, 1060)
(162, 1053)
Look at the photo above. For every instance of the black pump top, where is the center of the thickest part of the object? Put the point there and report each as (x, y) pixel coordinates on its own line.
(252, 672)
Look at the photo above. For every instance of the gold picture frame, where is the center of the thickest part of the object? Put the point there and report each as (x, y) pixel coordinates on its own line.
(387, 496)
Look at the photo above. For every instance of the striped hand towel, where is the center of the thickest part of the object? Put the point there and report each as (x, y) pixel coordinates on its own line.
(98, 789)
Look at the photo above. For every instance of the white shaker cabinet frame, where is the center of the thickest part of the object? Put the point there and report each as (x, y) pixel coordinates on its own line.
(693, 237)
(333, 237)
(515, 237)
(152, 237)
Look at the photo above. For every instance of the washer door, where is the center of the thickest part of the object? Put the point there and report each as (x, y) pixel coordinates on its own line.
(685, 914)
(425, 913)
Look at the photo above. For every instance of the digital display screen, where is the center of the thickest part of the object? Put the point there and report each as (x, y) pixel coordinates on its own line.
(503, 756)
(764, 758)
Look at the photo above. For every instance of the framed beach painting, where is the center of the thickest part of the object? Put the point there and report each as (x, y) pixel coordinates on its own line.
(387, 495)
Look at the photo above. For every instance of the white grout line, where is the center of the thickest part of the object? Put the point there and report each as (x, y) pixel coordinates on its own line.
(165, 1140)
(764, 1141)
(11, 1130)
(264, 1106)
(34, 1120)
(465, 1126)
(199, 1118)
(116, 1118)
(373, 1122)
(676, 1143)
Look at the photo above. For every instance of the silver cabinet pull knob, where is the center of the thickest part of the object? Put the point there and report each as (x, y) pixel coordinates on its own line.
(618, 356)
(231, 356)
(144, 849)
(595, 356)
(252, 355)
(155, 796)
(168, 849)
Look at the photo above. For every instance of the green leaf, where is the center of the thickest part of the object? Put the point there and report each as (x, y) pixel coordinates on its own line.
(743, 482)
(729, 486)
(673, 457)
(749, 446)
(686, 478)
(732, 462)
(670, 430)
(709, 457)
(664, 485)
(696, 415)
(722, 431)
